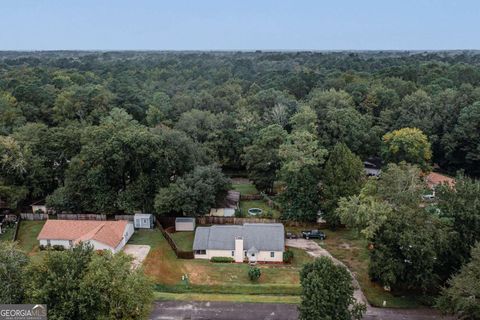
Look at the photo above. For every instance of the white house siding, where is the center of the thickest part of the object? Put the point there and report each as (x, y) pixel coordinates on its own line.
(64, 243)
(127, 234)
(265, 256)
(184, 226)
(35, 208)
(262, 256)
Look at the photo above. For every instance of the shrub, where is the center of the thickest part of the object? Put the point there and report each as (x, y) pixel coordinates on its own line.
(58, 247)
(222, 259)
(288, 256)
(254, 273)
(42, 247)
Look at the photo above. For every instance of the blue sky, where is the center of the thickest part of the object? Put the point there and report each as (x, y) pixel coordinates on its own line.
(239, 25)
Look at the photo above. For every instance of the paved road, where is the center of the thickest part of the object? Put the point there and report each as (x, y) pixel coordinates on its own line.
(179, 310)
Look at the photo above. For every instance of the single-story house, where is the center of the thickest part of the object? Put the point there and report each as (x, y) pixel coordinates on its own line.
(434, 179)
(255, 242)
(222, 212)
(102, 235)
(39, 206)
(184, 224)
(143, 220)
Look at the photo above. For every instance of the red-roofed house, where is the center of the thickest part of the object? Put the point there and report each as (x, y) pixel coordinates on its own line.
(434, 179)
(102, 235)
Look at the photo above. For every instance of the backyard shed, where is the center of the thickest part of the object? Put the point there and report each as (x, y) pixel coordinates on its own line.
(143, 220)
(184, 224)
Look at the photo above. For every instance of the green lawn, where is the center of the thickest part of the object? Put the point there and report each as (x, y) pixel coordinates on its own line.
(206, 277)
(184, 240)
(247, 204)
(245, 188)
(351, 249)
(227, 297)
(8, 232)
(27, 238)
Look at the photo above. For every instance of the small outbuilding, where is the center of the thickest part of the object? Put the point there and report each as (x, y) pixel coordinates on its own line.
(143, 220)
(39, 207)
(184, 224)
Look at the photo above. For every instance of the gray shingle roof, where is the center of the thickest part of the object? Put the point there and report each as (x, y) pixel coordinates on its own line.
(263, 236)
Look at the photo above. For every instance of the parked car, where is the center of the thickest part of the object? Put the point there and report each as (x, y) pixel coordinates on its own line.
(291, 235)
(314, 234)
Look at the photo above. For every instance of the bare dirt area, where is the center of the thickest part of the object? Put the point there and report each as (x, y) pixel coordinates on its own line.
(138, 252)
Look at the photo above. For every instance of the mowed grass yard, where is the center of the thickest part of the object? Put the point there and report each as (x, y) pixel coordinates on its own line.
(166, 271)
(245, 188)
(183, 240)
(350, 248)
(247, 204)
(27, 238)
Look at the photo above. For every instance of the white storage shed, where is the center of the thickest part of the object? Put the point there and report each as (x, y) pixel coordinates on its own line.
(143, 220)
(184, 224)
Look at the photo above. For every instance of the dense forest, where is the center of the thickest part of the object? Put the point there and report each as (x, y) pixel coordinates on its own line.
(157, 131)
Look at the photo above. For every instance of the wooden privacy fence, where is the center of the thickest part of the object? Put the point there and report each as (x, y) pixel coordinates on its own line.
(167, 222)
(81, 216)
(34, 216)
(179, 253)
(128, 217)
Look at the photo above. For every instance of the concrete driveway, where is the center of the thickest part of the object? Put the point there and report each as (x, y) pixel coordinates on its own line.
(138, 252)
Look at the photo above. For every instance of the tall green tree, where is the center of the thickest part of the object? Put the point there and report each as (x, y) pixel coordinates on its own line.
(407, 144)
(327, 292)
(461, 295)
(194, 193)
(81, 284)
(261, 158)
(13, 263)
(342, 176)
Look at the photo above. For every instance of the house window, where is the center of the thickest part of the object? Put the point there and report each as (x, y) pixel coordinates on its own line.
(70, 243)
(48, 242)
(233, 253)
(145, 221)
(272, 254)
(200, 251)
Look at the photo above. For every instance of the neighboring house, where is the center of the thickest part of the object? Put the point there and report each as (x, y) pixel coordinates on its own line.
(39, 206)
(102, 235)
(433, 179)
(143, 220)
(184, 224)
(255, 242)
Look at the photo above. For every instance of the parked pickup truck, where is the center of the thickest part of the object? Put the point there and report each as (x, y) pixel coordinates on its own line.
(314, 234)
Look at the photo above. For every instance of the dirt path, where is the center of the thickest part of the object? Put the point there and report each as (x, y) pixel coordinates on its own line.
(313, 249)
